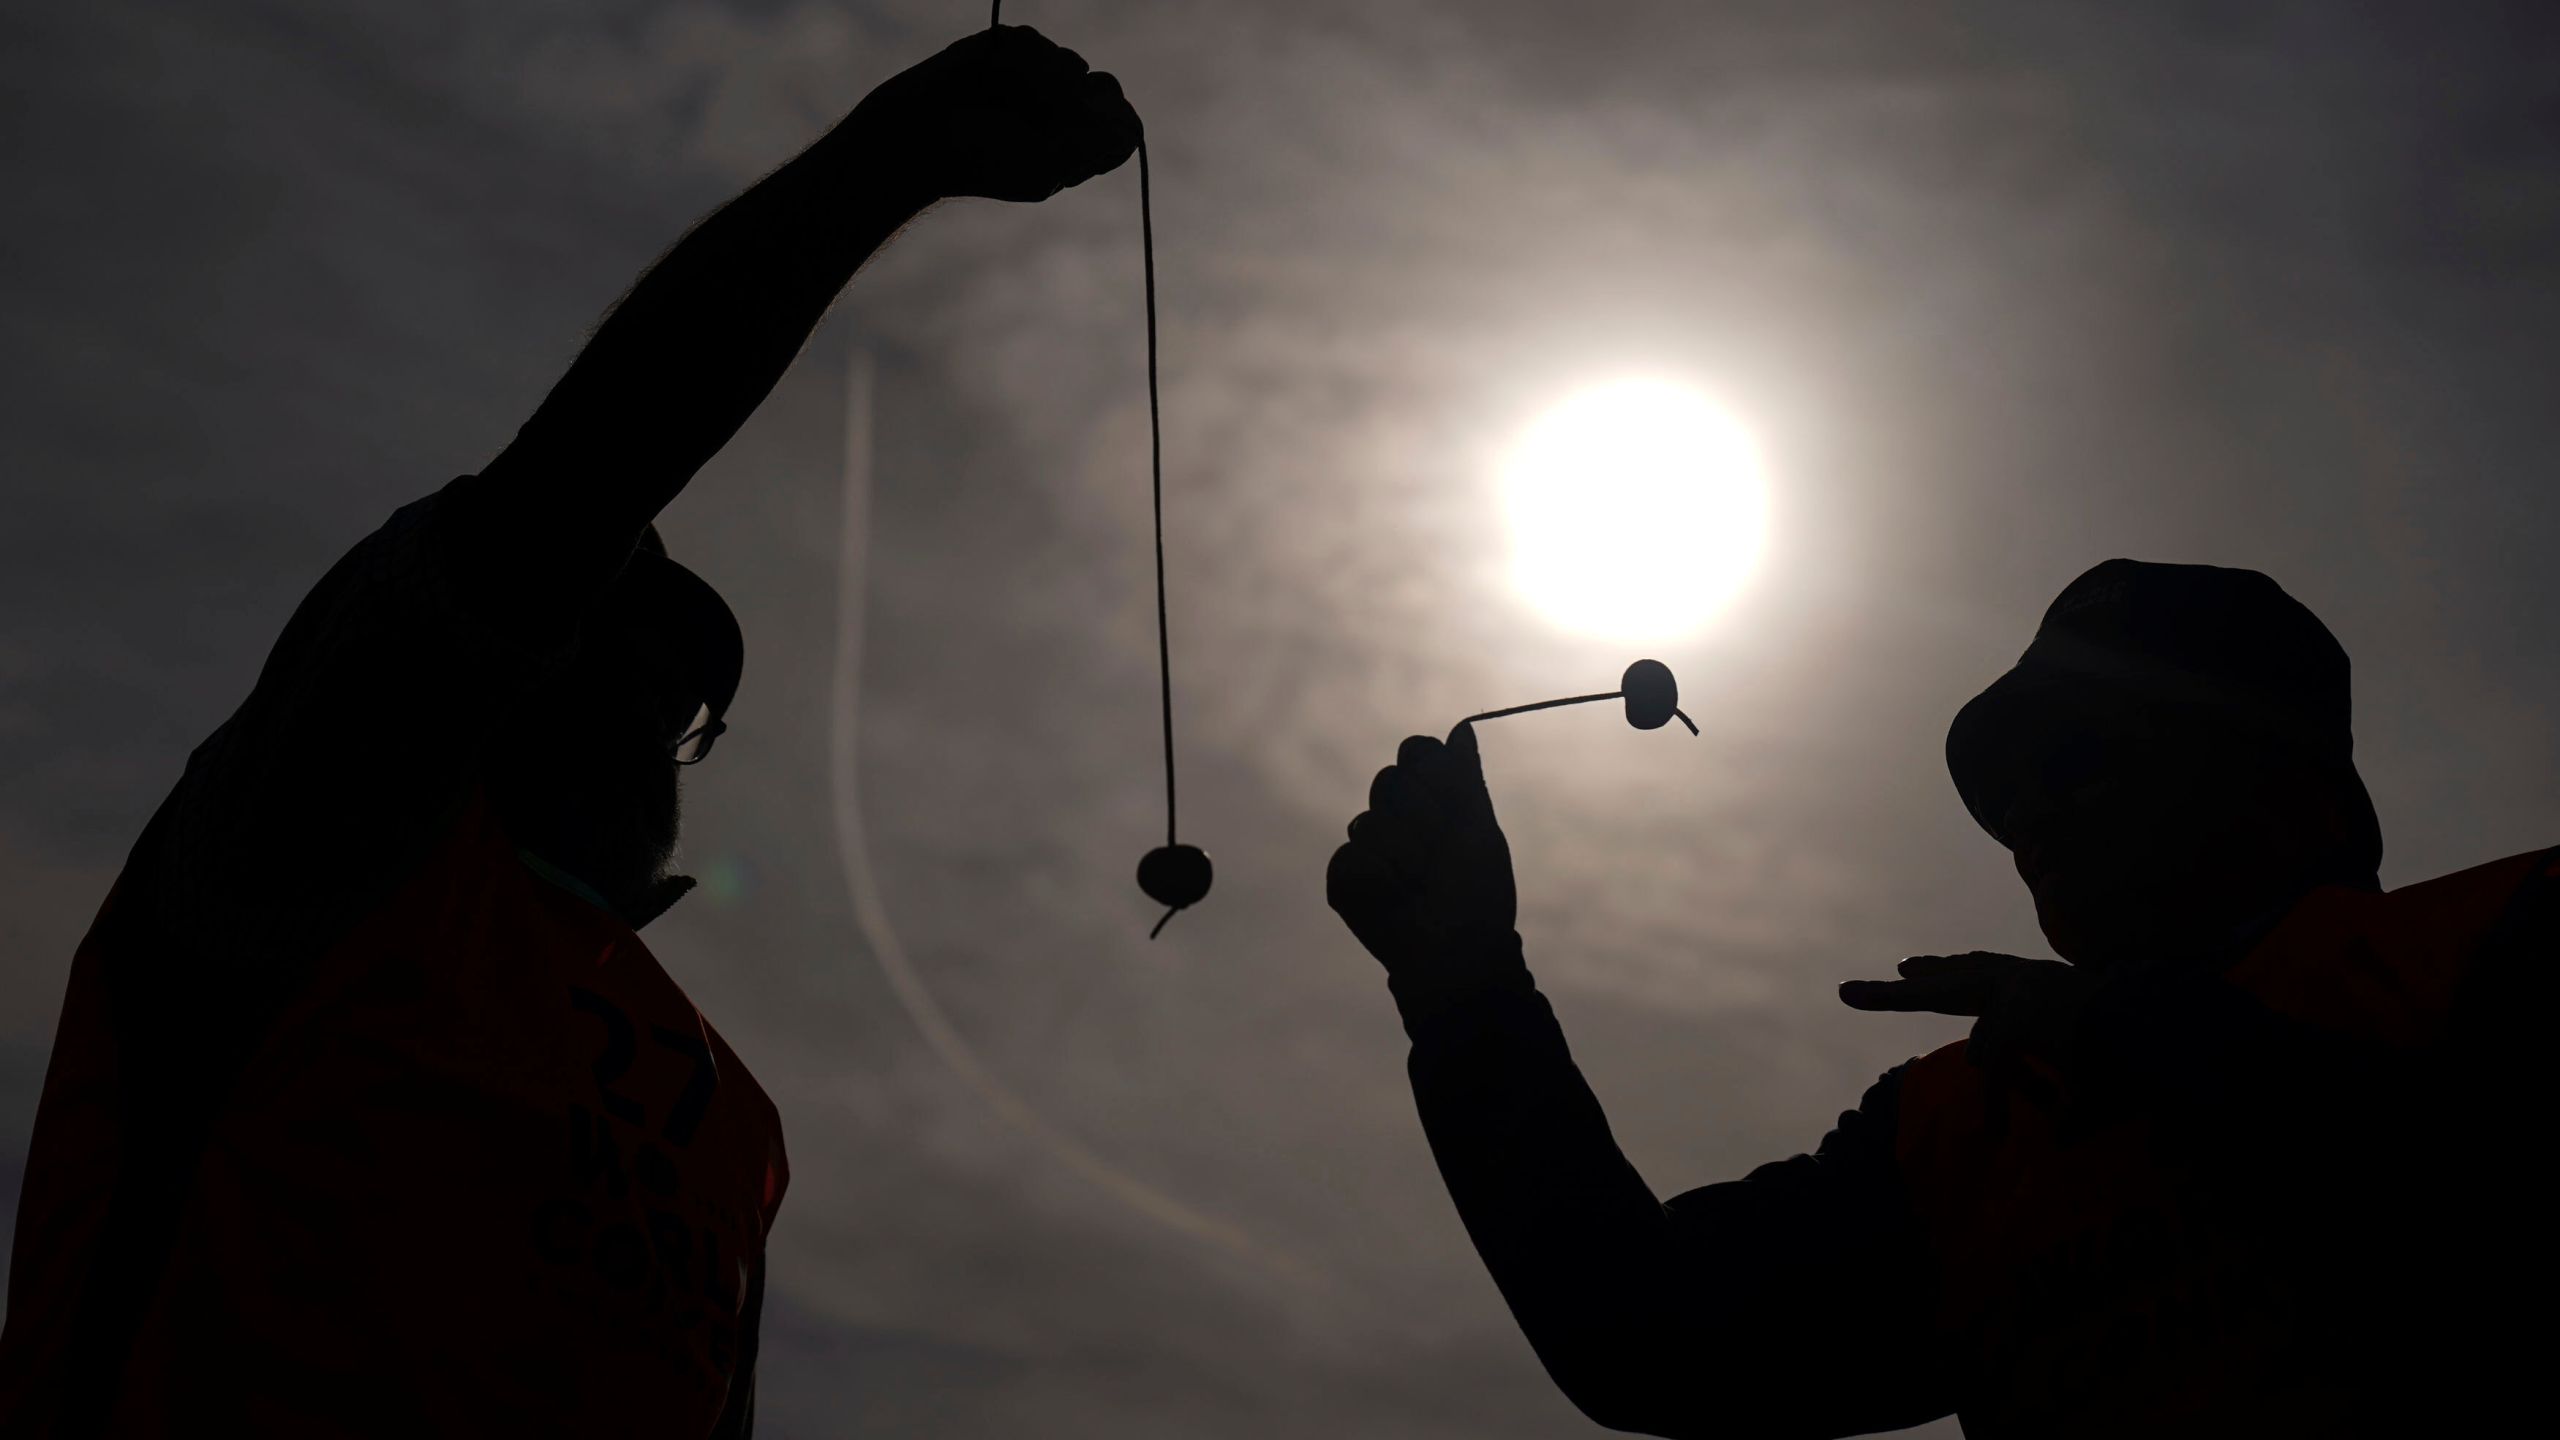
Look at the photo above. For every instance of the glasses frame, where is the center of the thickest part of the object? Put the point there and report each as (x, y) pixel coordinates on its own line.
(708, 733)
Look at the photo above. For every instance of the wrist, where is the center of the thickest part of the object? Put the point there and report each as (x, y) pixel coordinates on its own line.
(1459, 976)
(879, 153)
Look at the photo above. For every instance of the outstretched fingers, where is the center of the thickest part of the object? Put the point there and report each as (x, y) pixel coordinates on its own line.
(1934, 995)
(1965, 984)
(1970, 962)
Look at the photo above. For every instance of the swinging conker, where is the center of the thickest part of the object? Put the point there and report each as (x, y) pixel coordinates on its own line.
(1653, 696)
(1175, 876)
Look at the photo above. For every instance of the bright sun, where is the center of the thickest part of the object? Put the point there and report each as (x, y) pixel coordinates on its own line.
(1637, 509)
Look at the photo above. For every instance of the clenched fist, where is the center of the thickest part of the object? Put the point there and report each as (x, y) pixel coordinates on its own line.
(1007, 114)
(1425, 879)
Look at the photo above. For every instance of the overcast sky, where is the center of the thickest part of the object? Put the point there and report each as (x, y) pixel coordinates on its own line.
(2001, 289)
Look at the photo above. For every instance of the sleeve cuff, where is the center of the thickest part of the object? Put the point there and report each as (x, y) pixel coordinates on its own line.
(1462, 987)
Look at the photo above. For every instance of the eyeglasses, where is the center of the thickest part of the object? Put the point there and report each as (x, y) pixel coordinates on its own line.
(694, 746)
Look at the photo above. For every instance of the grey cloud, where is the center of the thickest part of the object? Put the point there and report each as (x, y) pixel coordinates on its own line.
(2003, 288)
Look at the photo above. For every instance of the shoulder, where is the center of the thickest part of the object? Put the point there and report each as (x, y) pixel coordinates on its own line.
(1838, 1221)
(408, 570)
(1938, 1101)
(1857, 1155)
(2437, 923)
(1878, 1118)
(2390, 967)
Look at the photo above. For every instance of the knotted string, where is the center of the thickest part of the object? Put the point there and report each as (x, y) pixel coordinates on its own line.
(1155, 473)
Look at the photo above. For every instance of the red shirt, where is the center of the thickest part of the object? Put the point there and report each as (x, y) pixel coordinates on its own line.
(2125, 1282)
(355, 1124)
(491, 1171)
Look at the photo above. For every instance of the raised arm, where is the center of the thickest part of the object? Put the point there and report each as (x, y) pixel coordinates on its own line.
(1794, 1302)
(372, 714)
(682, 361)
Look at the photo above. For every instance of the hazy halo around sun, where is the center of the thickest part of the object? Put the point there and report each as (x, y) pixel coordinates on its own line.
(1637, 509)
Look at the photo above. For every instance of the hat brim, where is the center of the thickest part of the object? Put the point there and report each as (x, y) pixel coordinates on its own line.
(2005, 742)
(2036, 722)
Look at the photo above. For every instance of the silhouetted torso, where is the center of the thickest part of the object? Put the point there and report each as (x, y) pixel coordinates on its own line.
(2294, 1206)
(357, 1117)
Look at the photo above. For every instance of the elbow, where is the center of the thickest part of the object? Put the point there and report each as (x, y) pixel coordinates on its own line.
(1613, 1412)
(1644, 1418)
(1637, 1393)
(1628, 1394)
(1638, 1415)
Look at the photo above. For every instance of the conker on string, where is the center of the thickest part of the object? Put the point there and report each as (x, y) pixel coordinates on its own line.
(1652, 695)
(1175, 876)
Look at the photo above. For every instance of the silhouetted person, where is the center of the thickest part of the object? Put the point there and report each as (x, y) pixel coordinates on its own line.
(368, 1111)
(2252, 1160)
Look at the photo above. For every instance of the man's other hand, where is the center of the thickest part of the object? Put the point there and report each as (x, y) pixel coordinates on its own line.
(2022, 1009)
(1425, 880)
(1006, 114)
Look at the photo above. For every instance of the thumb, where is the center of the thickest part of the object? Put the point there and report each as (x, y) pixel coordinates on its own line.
(1462, 748)
(1462, 743)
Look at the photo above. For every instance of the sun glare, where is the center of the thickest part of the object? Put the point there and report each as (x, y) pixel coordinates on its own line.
(1636, 510)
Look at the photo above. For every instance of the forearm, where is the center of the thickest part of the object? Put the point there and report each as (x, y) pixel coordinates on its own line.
(1528, 1156)
(1715, 1314)
(695, 346)
(1582, 1250)
(1791, 1302)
